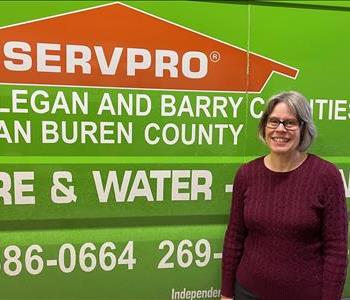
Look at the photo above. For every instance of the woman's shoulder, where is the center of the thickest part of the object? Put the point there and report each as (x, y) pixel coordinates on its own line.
(322, 165)
(329, 178)
(247, 169)
(252, 164)
(324, 169)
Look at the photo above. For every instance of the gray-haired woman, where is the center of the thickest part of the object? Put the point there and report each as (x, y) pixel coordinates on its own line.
(287, 233)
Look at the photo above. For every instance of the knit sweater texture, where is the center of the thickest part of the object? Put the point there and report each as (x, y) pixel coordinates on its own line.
(287, 233)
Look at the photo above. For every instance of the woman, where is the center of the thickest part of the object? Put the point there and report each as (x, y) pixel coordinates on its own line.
(287, 233)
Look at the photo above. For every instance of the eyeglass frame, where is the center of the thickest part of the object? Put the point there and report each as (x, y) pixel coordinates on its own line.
(301, 123)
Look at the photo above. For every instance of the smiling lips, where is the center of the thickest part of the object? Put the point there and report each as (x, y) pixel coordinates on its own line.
(280, 139)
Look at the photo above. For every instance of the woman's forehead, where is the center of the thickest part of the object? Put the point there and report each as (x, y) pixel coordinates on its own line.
(283, 109)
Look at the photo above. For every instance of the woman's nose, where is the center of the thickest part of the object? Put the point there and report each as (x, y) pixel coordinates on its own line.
(281, 127)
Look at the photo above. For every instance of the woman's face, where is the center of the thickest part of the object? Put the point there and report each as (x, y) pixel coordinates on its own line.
(281, 140)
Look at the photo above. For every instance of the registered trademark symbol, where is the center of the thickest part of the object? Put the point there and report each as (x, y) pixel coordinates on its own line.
(214, 56)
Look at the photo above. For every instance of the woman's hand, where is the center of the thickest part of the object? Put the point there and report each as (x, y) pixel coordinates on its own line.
(225, 298)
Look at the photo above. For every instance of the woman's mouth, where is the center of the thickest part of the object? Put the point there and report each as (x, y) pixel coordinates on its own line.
(280, 139)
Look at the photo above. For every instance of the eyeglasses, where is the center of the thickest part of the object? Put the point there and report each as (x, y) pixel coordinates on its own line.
(289, 124)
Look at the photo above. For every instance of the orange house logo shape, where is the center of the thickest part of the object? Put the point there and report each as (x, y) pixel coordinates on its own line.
(117, 46)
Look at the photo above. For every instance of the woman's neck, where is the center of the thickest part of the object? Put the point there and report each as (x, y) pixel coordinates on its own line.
(284, 162)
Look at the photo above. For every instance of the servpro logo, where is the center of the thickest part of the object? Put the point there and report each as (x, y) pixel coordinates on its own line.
(116, 45)
(79, 59)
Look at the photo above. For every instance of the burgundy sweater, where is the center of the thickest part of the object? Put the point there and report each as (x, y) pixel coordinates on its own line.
(287, 233)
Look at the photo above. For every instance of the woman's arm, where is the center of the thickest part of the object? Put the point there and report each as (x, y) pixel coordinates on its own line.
(334, 234)
(234, 237)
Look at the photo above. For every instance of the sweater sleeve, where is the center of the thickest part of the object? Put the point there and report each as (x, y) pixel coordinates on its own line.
(234, 237)
(334, 234)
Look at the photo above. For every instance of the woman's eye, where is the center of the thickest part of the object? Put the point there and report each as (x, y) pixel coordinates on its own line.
(291, 123)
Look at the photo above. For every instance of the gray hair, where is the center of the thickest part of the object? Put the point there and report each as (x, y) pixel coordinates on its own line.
(298, 105)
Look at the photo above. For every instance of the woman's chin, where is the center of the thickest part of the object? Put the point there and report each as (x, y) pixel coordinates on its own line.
(280, 150)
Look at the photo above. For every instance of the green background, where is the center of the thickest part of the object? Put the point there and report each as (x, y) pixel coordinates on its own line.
(311, 36)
